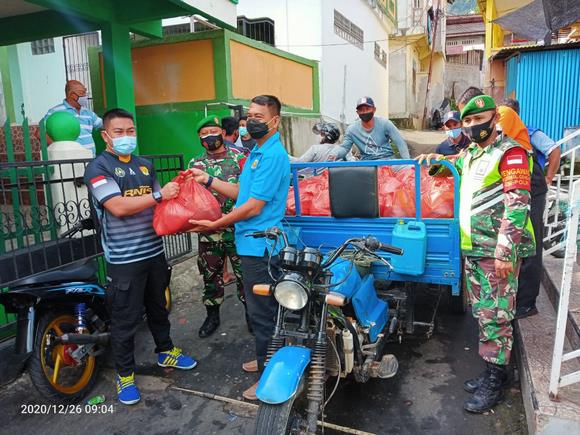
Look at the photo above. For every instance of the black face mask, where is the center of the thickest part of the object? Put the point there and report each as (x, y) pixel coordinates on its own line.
(366, 117)
(479, 133)
(257, 129)
(212, 142)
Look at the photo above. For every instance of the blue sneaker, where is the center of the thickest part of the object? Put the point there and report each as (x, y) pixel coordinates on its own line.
(176, 359)
(127, 391)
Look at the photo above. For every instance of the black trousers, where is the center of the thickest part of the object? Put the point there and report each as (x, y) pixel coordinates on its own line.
(261, 309)
(531, 269)
(132, 287)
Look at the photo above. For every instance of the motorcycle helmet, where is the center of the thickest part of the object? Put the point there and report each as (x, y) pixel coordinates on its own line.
(329, 132)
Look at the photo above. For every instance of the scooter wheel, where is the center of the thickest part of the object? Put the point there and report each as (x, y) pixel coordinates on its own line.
(54, 372)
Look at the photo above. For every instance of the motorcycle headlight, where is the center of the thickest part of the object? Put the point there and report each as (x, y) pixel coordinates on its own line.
(291, 292)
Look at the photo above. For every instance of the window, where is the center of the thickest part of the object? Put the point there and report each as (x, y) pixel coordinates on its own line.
(347, 30)
(42, 46)
(380, 55)
(260, 29)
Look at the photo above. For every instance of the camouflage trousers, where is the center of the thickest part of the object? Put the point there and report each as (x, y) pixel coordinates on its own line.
(493, 305)
(211, 259)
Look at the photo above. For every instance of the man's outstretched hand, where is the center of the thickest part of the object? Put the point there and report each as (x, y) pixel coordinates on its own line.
(197, 174)
(429, 159)
(204, 226)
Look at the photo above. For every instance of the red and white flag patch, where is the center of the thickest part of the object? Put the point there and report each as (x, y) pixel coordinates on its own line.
(515, 160)
(98, 181)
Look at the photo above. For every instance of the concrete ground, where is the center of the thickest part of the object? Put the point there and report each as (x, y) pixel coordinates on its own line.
(425, 397)
(422, 141)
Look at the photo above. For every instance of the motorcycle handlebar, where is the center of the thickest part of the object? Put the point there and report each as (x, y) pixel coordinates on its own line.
(373, 244)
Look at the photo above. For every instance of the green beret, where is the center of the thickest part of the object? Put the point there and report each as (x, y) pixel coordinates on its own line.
(208, 121)
(478, 104)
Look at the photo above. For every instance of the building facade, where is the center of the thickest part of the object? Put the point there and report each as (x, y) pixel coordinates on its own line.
(464, 49)
(410, 55)
(349, 40)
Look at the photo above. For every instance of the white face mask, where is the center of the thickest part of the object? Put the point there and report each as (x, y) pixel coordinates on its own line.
(83, 101)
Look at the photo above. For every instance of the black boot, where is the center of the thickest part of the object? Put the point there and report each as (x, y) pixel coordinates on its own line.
(490, 392)
(471, 385)
(211, 322)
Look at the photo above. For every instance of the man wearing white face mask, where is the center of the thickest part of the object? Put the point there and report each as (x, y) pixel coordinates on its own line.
(76, 102)
(124, 190)
(456, 140)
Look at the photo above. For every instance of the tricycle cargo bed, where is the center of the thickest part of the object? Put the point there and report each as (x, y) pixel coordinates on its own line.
(443, 258)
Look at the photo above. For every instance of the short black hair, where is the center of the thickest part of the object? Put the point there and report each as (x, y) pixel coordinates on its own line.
(272, 102)
(468, 94)
(230, 124)
(513, 103)
(116, 113)
(244, 118)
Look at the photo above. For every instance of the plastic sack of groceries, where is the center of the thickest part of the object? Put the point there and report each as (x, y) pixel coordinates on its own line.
(396, 194)
(193, 202)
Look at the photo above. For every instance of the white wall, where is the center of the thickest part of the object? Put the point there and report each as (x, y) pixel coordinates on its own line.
(348, 73)
(42, 78)
(306, 28)
(296, 23)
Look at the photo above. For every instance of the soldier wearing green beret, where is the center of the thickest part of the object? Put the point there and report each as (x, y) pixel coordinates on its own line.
(496, 233)
(214, 248)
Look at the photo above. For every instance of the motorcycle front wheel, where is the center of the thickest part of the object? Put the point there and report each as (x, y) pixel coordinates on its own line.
(54, 373)
(284, 418)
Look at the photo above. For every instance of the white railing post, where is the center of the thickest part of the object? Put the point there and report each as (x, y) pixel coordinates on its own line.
(558, 380)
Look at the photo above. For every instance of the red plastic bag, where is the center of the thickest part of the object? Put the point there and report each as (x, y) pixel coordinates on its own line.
(314, 197)
(193, 202)
(437, 197)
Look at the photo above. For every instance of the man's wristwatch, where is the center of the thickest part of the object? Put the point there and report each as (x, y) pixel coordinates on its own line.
(209, 181)
(157, 196)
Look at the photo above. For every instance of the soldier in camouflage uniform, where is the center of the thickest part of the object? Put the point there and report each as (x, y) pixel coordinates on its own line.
(226, 164)
(496, 233)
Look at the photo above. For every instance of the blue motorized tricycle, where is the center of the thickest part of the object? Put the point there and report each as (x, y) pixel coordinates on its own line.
(347, 288)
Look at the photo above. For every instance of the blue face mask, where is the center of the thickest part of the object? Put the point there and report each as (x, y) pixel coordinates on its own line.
(453, 133)
(243, 131)
(124, 145)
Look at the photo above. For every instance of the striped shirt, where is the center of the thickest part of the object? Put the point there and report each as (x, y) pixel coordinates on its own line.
(88, 120)
(131, 238)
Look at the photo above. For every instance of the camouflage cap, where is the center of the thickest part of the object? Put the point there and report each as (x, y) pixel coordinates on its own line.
(481, 103)
(208, 121)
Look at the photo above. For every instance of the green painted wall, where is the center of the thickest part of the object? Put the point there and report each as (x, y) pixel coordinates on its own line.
(170, 128)
(171, 132)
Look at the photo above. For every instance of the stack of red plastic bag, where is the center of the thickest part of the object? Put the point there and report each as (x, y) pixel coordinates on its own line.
(314, 197)
(193, 202)
(396, 194)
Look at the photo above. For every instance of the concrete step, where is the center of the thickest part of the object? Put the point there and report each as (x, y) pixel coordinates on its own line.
(535, 341)
(551, 280)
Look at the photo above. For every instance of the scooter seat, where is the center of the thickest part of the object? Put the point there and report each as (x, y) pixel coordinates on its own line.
(84, 270)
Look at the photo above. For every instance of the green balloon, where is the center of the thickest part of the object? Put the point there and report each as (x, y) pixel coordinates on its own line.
(61, 126)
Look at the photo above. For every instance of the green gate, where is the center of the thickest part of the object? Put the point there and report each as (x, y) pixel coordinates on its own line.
(42, 199)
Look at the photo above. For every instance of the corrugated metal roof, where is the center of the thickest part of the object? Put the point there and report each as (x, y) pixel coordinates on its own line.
(508, 51)
(465, 29)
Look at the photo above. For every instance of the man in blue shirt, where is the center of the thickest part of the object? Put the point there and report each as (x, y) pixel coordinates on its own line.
(124, 190)
(260, 204)
(372, 135)
(456, 140)
(77, 103)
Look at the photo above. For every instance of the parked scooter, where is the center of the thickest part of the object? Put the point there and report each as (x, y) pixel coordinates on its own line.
(62, 325)
(330, 320)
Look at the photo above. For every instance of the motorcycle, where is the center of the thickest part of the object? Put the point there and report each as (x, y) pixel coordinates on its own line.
(330, 320)
(63, 325)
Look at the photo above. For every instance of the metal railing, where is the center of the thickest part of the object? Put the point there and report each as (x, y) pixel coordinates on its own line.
(559, 198)
(557, 380)
(42, 200)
